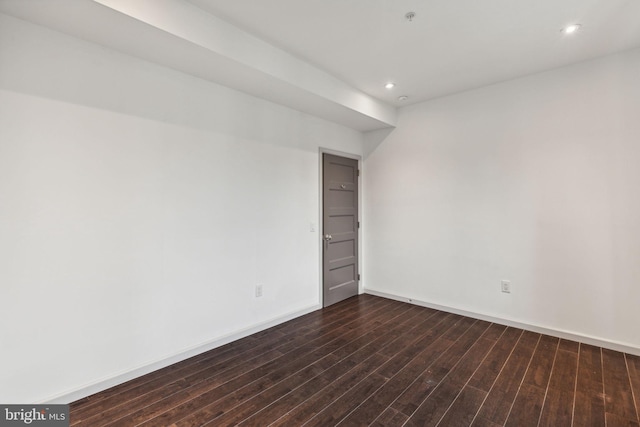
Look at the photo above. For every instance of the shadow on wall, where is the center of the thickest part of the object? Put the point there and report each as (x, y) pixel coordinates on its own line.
(45, 63)
(373, 139)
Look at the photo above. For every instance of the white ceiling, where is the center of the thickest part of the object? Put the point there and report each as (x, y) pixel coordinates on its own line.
(331, 58)
(450, 46)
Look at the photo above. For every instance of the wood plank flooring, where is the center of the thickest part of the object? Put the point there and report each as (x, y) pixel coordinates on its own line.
(373, 361)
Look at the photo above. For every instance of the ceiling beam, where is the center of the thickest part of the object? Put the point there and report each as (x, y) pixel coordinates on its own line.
(179, 35)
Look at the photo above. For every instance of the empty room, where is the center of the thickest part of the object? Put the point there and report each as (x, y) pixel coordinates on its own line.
(305, 212)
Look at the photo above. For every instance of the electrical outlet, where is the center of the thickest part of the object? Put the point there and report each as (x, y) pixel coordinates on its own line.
(258, 291)
(505, 286)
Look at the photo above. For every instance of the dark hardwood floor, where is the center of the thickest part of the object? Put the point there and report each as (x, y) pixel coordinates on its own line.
(373, 361)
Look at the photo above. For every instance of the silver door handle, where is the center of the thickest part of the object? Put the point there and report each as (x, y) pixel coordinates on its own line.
(327, 237)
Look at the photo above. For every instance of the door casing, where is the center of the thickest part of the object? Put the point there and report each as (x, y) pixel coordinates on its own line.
(320, 227)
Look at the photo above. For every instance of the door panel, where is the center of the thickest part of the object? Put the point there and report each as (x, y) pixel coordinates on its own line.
(340, 250)
(340, 227)
(340, 198)
(340, 224)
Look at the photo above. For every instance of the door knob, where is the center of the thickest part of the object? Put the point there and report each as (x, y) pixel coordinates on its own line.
(327, 237)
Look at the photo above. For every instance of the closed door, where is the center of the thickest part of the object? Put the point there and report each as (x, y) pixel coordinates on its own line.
(340, 228)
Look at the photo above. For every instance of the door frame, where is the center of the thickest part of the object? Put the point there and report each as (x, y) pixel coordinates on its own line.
(320, 227)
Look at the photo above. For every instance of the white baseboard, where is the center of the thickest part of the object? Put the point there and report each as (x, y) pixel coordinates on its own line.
(105, 383)
(573, 336)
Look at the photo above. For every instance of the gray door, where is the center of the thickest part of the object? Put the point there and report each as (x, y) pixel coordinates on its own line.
(340, 228)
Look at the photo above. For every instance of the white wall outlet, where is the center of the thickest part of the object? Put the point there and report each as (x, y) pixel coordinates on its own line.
(258, 291)
(505, 286)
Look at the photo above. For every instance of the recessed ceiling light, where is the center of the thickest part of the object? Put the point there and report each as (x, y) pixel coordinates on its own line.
(570, 29)
(403, 98)
(390, 85)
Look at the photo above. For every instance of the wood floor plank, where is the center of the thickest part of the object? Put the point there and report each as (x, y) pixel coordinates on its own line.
(298, 396)
(469, 363)
(461, 360)
(614, 420)
(558, 409)
(298, 415)
(423, 376)
(310, 407)
(375, 361)
(395, 364)
(633, 365)
(464, 408)
(526, 409)
(433, 408)
(239, 405)
(369, 410)
(588, 410)
(354, 351)
(590, 369)
(390, 418)
(619, 402)
(269, 373)
(563, 375)
(410, 390)
(505, 388)
(568, 345)
(539, 370)
(527, 406)
(483, 422)
(589, 400)
(337, 410)
(490, 368)
(494, 332)
(405, 355)
(558, 404)
(350, 356)
(410, 338)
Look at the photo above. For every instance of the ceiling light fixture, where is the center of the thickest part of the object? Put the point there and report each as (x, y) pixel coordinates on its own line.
(403, 98)
(390, 85)
(570, 29)
(409, 16)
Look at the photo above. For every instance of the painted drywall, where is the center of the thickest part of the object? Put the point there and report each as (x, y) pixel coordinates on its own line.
(534, 181)
(139, 207)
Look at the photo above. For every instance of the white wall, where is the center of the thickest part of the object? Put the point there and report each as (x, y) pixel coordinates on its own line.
(534, 180)
(139, 207)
